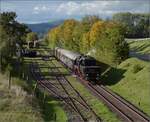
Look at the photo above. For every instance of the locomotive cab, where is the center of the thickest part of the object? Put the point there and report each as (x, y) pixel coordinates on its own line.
(88, 68)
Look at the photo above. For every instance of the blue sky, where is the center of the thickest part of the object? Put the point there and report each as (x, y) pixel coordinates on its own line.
(37, 11)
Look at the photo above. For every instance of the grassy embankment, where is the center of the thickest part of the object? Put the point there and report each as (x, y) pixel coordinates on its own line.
(16, 105)
(131, 79)
(20, 105)
(97, 105)
(142, 46)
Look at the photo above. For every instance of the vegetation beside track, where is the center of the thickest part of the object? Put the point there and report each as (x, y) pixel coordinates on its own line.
(97, 105)
(142, 46)
(52, 110)
(16, 105)
(131, 80)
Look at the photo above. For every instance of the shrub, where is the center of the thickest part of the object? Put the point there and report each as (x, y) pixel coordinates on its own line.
(136, 68)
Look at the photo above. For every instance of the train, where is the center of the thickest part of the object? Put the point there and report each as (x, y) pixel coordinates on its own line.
(86, 67)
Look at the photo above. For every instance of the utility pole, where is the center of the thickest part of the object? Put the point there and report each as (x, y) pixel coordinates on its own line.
(9, 80)
(0, 62)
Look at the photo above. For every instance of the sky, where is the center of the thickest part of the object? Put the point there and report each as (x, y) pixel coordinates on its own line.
(39, 11)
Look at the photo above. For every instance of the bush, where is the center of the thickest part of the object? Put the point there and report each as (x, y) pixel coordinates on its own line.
(137, 68)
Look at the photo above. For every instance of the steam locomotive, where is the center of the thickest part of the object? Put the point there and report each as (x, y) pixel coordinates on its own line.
(84, 66)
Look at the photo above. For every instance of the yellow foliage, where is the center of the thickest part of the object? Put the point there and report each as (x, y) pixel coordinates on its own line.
(68, 27)
(86, 42)
(96, 32)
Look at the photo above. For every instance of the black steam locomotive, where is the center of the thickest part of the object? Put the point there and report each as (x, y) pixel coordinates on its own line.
(84, 66)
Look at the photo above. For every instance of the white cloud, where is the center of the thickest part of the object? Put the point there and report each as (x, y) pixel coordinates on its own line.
(81, 8)
(40, 8)
(101, 8)
(36, 8)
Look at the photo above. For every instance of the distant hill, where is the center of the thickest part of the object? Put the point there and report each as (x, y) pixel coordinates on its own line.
(42, 28)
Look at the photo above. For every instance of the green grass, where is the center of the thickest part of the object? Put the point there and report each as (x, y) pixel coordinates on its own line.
(96, 104)
(16, 105)
(142, 47)
(52, 109)
(101, 110)
(132, 81)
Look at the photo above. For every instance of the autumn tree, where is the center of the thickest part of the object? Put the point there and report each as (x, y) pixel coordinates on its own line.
(88, 21)
(112, 48)
(54, 37)
(85, 47)
(106, 38)
(96, 32)
(68, 28)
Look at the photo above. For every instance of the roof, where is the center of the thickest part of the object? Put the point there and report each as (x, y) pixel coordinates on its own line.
(71, 55)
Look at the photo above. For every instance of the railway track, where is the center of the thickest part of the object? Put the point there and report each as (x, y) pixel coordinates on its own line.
(63, 79)
(54, 91)
(77, 103)
(126, 111)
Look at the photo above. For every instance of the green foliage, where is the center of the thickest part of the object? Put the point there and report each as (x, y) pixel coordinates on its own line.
(32, 36)
(11, 32)
(87, 22)
(111, 47)
(53, 37)
(105, 37)
(137, 25)
(136, 68)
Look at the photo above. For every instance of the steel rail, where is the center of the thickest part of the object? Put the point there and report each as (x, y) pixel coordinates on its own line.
(134, 116)
(92, 111)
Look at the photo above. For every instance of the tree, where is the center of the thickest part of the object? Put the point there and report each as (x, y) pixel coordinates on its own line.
(88, 21)
(85, 47)
(106, 38)
(137, 25)
(96, 32)
(11, 32)
(112, 48)
(32, 36)
(54, 37)
(68, 27)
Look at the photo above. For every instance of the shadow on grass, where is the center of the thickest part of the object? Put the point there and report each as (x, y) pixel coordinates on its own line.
(110, 75)
(22, 76)
(142, 47)
(113, 76)
(55, 73)
(48, 106)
